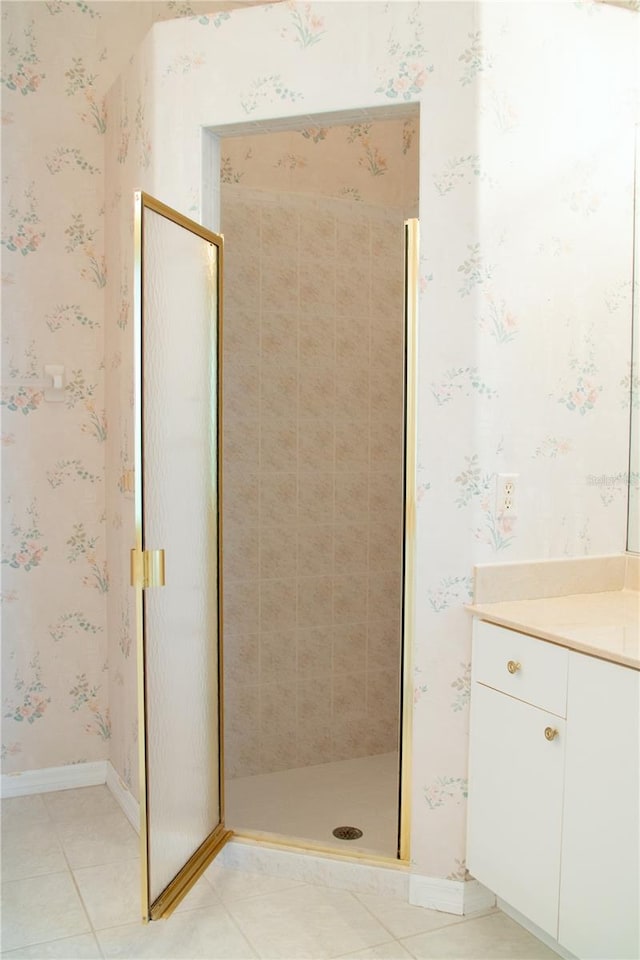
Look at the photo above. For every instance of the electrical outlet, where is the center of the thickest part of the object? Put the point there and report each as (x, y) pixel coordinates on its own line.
(506, 494)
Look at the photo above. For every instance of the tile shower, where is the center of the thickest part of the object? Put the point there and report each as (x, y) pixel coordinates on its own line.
(313, 449)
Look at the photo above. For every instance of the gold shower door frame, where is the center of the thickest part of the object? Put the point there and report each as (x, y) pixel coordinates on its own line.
(147, 572)
(411, 295)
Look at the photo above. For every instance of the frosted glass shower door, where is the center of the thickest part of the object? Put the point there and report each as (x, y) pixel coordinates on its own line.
(175, 565)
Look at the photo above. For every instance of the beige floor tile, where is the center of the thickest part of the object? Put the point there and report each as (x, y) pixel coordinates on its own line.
(83, 947)
(307, 921)
(200, 895)
(30, 849)
(384, 951)
(494, 937)
(84, 803)
(41, 909)
(104, 839)
(233, 885)
(207, 933)
(23, 811)
(111, 893)
(402, 919)
(228, 914)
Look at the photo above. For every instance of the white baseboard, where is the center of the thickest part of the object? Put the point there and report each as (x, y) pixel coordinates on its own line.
(461, 897)
(120, 792)
(69, 777)
(49, 779)
(477, 897)
(536, 931)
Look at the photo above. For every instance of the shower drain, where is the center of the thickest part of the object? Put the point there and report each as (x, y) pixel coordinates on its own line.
(347, 833)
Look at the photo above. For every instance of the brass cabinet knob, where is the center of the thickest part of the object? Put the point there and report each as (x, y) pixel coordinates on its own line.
(513, 666)
(550, 733)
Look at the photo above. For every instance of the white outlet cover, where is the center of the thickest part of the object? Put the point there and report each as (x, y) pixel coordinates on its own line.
(507, 494)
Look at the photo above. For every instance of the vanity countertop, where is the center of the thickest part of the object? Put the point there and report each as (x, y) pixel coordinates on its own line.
(605, 625)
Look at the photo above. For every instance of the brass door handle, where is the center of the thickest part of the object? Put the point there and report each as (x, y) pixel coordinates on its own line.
(550, 733)
(147, 568)
(513, 666)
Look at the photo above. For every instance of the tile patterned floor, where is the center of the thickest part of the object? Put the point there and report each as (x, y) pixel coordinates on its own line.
(71, 890)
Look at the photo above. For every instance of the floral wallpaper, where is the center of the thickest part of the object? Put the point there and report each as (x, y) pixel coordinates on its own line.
(54, 578)
(58, 60)
(364, 162)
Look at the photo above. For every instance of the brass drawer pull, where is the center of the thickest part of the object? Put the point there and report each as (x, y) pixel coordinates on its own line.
(513, 666)
(550, 733)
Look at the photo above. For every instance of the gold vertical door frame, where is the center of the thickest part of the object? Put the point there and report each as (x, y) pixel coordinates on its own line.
(148, 571)
(411, 281)
(139, 603)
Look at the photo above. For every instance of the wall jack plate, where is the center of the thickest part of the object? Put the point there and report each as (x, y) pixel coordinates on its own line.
(54, 393)
(507, 494)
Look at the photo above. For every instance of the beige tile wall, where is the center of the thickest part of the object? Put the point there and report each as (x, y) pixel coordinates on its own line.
(313, 355)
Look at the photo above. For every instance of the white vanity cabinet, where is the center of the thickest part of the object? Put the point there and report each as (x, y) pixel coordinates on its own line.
(516, 769)
(553, 789)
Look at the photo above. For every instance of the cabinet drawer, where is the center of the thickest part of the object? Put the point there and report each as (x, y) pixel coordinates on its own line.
(531, 670)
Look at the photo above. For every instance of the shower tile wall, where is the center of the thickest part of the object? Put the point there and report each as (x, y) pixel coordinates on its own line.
(313, 353)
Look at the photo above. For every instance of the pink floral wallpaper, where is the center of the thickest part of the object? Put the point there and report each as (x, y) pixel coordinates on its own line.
(55, 704)
(58, 60)
(365, 162)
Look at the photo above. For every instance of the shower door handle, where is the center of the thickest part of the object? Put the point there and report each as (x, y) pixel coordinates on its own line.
(147, 568)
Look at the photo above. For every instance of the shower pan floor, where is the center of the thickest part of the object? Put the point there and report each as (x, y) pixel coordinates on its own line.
(308, 803)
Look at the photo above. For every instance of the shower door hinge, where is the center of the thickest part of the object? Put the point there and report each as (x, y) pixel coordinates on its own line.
(147, 568)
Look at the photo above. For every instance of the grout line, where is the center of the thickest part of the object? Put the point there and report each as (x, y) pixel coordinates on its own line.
(81, 898)
(260, 305)
(459, 918)
(245, 937)
(297, 523)
(70, 870)
(386, 943)
(334, 498)
(40, 943)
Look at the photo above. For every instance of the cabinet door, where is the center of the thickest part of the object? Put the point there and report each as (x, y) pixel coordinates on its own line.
(600, 893)
(515, 803)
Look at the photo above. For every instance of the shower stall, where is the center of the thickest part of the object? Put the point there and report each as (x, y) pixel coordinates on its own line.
(313, 503)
